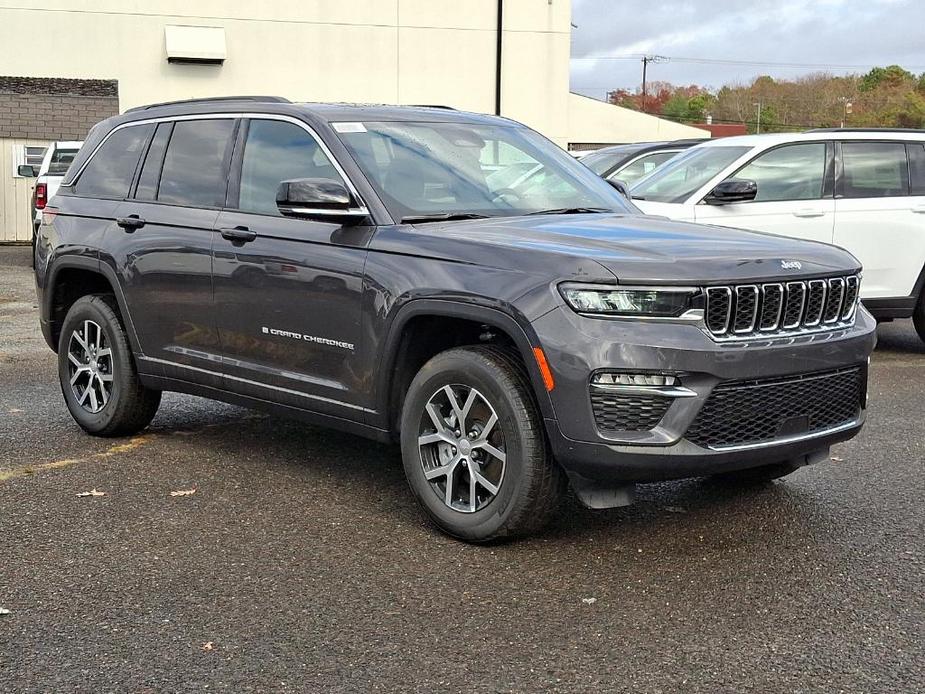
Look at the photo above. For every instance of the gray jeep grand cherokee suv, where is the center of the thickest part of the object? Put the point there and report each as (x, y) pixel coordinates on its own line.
(449, 280)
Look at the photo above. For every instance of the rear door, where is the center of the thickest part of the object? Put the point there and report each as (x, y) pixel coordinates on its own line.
(877, 219)
(795, 184)
(288, 290)
(163, 250)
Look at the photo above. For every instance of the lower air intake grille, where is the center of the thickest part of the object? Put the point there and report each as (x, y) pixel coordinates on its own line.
(613, 412)
(746, 412)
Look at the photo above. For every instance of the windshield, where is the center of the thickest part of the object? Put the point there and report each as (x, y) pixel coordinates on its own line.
(61, 161)
(450, 169)
(681, 177)
(601, 162)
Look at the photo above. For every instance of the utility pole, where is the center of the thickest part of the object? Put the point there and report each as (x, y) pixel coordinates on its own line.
(758, 120)
(847, 109)
(646, 59)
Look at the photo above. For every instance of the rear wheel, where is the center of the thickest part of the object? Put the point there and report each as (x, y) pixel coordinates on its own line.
(918, 317)
(97, 372)
(474, 450)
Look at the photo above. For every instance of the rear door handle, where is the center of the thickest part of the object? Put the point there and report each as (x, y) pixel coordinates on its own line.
(239, 235)
(920, 209)
(131, 223)
(809, 212)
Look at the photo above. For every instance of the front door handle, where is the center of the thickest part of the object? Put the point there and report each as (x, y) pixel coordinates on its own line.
(239, 235)
(809, 212)
(131, 223)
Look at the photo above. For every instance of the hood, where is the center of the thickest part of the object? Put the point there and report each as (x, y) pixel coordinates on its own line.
(638, 249)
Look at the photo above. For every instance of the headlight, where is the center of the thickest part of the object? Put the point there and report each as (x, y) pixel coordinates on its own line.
(665, 302)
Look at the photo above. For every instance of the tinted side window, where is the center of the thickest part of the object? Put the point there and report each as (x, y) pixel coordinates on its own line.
(793, 172)
(151, 169)
(109, 172)
(194, 167)
(874, 169)
(916, 154)
(275, 152)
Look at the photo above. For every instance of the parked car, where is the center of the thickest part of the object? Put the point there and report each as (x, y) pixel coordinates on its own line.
(55, 163)
(352, 266)
(863, 190)
(629, 163)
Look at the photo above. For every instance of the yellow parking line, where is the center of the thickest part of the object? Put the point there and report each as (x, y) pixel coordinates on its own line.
(115, 449)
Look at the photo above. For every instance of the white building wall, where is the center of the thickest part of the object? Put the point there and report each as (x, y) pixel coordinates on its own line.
(592, 121)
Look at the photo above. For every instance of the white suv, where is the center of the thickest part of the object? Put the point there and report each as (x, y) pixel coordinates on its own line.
(863, 190)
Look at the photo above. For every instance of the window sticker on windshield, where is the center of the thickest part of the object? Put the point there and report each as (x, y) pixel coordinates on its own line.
(349, 127)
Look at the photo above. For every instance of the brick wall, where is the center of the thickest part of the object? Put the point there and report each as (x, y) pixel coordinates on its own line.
(54, 109)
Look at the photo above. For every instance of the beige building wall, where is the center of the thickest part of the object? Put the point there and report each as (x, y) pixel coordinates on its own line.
(389, 51)
(15, 193)
(592, 121)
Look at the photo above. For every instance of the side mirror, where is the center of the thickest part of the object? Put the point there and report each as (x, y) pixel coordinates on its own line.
(620, 186)
(732, 190)
(26, 171)
(318, 198)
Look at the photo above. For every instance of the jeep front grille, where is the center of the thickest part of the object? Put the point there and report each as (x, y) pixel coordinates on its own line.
(781, 308)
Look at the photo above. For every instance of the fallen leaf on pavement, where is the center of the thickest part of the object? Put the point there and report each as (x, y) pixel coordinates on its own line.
(835, 459)
(3, 610)
(92, 492)
(589, 601)
(183, 492)
(208, 646)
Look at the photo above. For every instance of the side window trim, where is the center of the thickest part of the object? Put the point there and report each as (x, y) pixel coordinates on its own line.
(826, 191)
(245, 115)
(159, 162)
(232, 198)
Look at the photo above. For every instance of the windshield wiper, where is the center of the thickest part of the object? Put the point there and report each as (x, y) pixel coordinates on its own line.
(572, 210)
(442, 217)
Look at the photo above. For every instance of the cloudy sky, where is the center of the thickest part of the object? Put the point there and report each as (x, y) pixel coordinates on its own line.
(843, 35)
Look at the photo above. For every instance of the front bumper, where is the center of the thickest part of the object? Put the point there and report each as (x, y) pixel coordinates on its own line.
(577, 346)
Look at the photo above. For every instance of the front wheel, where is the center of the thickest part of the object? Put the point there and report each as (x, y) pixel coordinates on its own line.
(918, 317)
(473, 446)
(97, 372)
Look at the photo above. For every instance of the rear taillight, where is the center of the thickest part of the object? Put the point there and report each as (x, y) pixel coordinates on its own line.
(41, 196)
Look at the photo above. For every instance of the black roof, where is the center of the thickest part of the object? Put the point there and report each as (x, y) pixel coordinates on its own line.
(917, 131)
(330, 112)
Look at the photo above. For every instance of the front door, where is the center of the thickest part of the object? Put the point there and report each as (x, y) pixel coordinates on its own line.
(288, 291)
(794, 194)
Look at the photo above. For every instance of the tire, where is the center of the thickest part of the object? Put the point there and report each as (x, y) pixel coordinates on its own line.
(127, 406)
(757, 475)
(918, 317)
(528, 484)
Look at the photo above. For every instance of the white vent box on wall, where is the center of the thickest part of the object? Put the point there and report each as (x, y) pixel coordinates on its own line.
(189, 44)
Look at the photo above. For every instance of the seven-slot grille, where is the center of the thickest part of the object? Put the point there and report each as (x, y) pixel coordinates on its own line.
(746, 310)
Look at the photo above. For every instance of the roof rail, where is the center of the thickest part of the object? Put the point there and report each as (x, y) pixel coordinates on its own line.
(208, 99)
(441, 106)
(867, 130)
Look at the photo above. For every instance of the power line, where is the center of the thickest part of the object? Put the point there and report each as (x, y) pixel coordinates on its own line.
(751, 63)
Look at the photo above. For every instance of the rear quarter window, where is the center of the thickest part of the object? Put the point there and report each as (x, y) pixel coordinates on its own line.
(110, 171)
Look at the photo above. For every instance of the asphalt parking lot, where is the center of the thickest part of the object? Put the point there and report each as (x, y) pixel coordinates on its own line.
(301, 564)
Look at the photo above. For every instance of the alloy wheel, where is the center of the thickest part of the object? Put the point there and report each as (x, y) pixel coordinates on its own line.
(90, 367)
(462, 448)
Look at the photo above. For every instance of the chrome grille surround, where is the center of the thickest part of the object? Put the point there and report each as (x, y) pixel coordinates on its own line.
(772, 309)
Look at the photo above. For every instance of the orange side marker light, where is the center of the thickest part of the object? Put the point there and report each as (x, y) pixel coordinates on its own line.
(544, 368)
